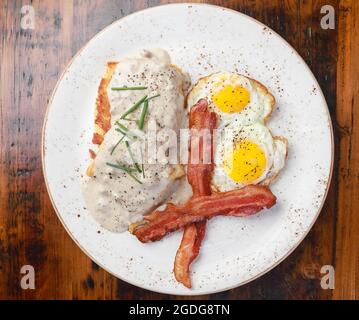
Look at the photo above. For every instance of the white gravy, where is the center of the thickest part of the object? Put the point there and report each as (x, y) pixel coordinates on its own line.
(114, 198)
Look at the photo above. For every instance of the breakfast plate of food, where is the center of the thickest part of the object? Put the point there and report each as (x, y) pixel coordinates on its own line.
(187, 149)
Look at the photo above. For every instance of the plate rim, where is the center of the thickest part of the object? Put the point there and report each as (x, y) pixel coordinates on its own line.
(209, 291)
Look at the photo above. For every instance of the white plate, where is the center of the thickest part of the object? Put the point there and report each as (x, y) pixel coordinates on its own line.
(201, 39)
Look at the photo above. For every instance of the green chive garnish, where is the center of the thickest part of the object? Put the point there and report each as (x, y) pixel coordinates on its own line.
(134, 107)
(121, 167)
(142, 165)
(121, 126)
(121, 131)
(128, 88)
(127, 119)
(141, 122)
(155, 96)
(132, 157)
(119, 141)
(125, 169)
(125, 131)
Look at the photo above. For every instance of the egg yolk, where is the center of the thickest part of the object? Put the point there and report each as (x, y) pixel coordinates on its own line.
(246, 163)
(231, 99)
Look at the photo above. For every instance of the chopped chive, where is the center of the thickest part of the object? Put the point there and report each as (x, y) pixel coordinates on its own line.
(128, 88)
(132, 157)
(121, 131)
(155, 96)
(140, 182)
(125, 131)
(125, 169)
(134, 107)
(121, 126)
(121, 167)
(119, 141)
(127, 119)
(141, 122)
(142, 165)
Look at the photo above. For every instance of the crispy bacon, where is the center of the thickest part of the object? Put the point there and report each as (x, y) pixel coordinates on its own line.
(242, 202)
(188, 251)
(199, 177)
(201, 121)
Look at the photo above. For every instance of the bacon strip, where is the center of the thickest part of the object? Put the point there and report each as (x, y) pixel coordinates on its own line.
(242, 202)
(201, 120)
(199, 176)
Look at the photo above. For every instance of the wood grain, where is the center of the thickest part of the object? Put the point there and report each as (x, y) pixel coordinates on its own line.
(347, 226)
(30, 232)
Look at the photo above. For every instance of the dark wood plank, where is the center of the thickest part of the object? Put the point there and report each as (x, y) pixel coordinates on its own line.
(30, 233)
(347, 227)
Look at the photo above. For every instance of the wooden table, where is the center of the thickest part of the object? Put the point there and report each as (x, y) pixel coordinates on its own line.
(31, 233)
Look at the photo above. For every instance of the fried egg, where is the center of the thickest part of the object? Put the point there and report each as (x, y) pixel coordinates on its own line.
(245, 152)
(234, 97)
(247, 155)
